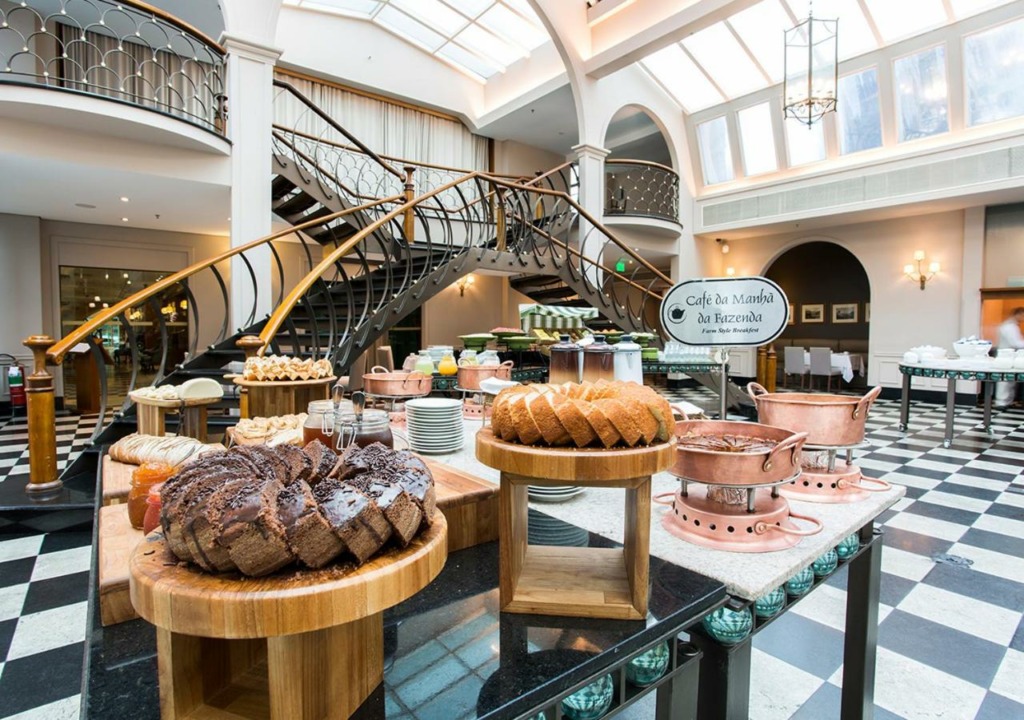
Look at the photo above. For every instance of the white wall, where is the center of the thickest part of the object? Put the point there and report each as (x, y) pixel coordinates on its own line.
(902, 315)
(20, 294)
(515, 158)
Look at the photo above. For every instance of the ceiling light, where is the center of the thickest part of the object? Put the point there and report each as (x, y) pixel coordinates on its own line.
(92, 305)
(124, 199)
(97, 298)
(124, 275)
(811, 69)
(128, 282)
(106, 305)
(106, 276)
(124, 219)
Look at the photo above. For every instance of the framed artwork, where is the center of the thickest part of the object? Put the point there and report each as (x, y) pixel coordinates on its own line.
(792, 315)
(844, 313)
(867, 312)
(812, 313)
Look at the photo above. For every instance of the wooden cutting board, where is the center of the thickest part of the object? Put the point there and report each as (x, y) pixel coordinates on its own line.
(469, 503)
(117, 539)
(117, 481)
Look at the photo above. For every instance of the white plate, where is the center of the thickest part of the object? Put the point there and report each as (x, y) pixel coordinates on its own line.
(554, 498)
(433, 404)
(437, 450)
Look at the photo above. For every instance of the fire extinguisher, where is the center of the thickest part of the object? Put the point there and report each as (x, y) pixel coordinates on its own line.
(16, 384)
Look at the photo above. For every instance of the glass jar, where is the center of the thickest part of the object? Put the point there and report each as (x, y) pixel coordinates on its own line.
(151, 520)
(447, 365)
(565, 361)
(374, 427)
(144, 477)
(424, 364)
(321, 421)
(598, 361)
(468, 357)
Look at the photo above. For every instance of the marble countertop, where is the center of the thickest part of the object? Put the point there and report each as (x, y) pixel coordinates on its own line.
(745, 575)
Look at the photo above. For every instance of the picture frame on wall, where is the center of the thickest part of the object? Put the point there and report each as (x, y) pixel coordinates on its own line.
(844, 313)
(867, 312)
(792, 315)
(812, 313)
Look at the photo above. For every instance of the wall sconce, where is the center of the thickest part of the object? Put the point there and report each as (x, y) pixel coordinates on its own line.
(730, 271)
(723, 245)
(918, 275)
(464, 282)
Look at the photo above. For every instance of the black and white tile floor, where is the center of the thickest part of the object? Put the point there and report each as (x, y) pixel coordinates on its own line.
(951, 635)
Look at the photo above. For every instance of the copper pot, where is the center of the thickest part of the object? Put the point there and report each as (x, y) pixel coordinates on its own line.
(381, 381)
(715, 467)
(470, 376)
(828, 420)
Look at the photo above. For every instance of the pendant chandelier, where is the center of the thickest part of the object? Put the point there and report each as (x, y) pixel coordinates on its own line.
(812, 69)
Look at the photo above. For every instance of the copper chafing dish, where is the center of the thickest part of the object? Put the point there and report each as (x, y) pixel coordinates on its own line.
(381, 381)
(470, 376)
(762, 466)
(828, 420)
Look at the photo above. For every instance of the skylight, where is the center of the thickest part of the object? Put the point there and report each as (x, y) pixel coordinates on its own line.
(479, 37)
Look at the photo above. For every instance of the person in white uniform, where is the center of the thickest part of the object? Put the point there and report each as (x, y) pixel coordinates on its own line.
(1009, 337)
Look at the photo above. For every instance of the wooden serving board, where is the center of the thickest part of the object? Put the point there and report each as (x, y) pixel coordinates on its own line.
(117, 480)
(282, 383)
(469, 503)
(264, 398)
(117, 540)
(172, 404)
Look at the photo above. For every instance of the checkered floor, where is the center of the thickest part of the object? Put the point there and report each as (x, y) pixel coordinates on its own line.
(951, 635)
(73, 433)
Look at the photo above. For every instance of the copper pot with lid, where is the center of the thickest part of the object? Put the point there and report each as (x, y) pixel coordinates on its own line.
(778, 460)
(828, 420)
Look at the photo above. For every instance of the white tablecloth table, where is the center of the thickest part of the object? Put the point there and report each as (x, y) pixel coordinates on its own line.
(845, 363)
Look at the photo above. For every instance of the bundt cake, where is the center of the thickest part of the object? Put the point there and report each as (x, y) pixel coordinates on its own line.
(582, 415)
(256, 509)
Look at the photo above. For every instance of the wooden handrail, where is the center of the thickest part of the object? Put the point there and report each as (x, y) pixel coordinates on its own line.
(57, 352)
(624, 161)
(167, 17)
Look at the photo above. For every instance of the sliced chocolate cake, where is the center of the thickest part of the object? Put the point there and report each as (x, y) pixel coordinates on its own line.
(415, 477)
(353, 516)
(300, 467)
(309, 535)
(251, 530)
(202, 528)
(323, 460)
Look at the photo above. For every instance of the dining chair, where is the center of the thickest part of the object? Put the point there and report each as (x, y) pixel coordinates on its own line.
(385, 358)
(821, 364)
(793, 364)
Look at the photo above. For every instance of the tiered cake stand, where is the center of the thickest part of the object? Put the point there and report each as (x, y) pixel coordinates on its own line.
(152, 415)
(578, 581)
(297, 644)
(267, 398)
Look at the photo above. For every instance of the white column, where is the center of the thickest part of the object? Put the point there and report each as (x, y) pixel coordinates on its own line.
(590, 159)
(971, 279)
(250, 118)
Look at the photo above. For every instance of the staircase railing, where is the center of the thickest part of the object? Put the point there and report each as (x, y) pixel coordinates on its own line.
(640, 188)
(124, 50)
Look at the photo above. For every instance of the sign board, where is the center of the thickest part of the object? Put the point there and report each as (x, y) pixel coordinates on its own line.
(725, 311)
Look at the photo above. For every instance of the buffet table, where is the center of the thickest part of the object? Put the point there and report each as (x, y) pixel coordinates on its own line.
(952, 370)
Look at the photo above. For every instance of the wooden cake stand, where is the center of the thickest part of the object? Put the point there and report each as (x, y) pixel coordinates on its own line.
(297, 644)
(267, 398)
(584, 582)
(152, 415)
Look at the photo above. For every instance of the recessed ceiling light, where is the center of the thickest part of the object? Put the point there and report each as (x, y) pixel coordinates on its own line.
(124, 199)
(106, 276)
(97, 298)
(124, 275)
(128, 282)
(106, 305)
(229, 219)
(124, 219)
(92, 305)
(87, 206)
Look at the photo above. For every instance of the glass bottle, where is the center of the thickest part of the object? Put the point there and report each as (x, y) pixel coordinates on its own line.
(319, 423)
(447, 365)
(468, 357)
(565, 361)
(598, 361)
(374, 426)
(144, 477)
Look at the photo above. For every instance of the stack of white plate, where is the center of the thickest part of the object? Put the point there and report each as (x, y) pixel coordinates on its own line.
(434, 425)
(553, 493)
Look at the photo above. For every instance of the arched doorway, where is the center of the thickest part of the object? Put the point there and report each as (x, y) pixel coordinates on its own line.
(830, 296)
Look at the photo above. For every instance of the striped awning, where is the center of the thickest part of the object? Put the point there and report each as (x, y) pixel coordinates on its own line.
(554, 317)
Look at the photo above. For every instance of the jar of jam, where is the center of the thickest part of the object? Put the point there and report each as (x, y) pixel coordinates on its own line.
(151, 521)
(144, 477)
(321, 421)
(373, 427)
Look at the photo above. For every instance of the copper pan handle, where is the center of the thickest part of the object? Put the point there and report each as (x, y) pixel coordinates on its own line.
(763, 527)
(865, 402)
(794, 443)
(754, 389)
(508, 364)
(657, 499)
(378, 369)
(678, 409)
(883, 485)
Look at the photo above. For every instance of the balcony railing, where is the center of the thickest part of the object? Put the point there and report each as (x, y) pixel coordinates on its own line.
(124, 50)
(641, 189)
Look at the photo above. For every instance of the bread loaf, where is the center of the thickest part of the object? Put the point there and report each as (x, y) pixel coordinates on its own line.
(585, 414)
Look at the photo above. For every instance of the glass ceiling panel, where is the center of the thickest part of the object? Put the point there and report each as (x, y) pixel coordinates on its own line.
(724, 60)
(897, 20)
(478, 37)
(757, 139)
(761, 28)
(966, 8)
(682, 79)
(855, 36)
(715, 152)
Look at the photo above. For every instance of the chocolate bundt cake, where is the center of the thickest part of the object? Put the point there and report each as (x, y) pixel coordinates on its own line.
(582, 415)
(256, 509)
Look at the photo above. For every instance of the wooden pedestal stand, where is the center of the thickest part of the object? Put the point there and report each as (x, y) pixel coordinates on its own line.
(283, 397)
(152, 416)
(298, 644)
(583, 582)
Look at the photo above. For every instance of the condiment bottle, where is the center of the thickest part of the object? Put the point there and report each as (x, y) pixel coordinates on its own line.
(598, 360)
(424, 364)
(628, 361)
(447, 365)
(144, 477)
(565, 361)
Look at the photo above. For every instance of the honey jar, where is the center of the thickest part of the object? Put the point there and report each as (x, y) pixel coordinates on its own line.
(144, 478)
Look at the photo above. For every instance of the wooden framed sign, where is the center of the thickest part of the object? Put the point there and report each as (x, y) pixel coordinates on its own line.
(725, 311)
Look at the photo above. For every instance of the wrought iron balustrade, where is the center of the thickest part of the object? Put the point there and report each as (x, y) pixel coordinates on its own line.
(124, 50)
(641, 188)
